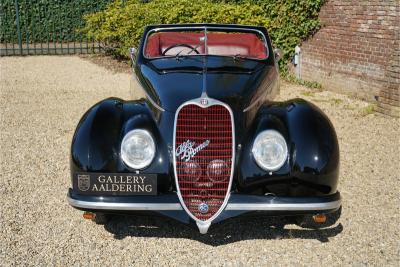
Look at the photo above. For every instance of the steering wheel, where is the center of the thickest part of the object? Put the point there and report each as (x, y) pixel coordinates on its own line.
(180, 45)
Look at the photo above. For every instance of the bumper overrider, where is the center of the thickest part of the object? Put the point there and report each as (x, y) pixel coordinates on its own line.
(237, 204)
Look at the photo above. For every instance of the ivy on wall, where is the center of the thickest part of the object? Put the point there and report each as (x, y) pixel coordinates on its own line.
(45, 20)
(120, 25)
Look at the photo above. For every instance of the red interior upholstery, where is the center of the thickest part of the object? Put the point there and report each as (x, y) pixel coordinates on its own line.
(224, 44)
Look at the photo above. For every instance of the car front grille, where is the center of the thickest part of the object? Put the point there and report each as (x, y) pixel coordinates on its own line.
(203, 157)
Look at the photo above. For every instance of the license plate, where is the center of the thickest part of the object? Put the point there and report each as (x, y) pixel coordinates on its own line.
(115, 184)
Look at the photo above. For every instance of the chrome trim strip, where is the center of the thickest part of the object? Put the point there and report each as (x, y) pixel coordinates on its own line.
(252, 105)
(205, 28)
(204, 89)
(122, 206)
(284, 206)
(204, 225)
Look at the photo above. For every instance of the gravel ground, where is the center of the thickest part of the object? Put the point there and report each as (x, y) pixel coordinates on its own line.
(42, 99)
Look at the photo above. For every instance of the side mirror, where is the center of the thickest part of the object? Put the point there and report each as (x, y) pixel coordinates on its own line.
(132, 53)
(277, 54)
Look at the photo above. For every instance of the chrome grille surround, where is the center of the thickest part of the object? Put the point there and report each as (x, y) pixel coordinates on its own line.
(204, 102)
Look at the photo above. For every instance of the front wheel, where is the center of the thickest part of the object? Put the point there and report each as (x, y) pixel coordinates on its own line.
(307, 221)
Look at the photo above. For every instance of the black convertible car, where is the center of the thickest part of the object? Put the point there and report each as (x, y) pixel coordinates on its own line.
(207, 143)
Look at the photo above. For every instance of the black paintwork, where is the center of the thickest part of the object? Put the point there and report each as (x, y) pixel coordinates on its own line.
(236, 81)
(311, 169)
(97, 140)
(313, 163)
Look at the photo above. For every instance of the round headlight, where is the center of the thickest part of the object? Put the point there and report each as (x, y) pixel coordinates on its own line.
(138, 149)
(270, 150)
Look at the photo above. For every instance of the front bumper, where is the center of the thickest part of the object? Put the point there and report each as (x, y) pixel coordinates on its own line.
(238, 204)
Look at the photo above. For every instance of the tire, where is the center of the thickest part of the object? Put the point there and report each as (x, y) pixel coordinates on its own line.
(101, 218)
(307, 221)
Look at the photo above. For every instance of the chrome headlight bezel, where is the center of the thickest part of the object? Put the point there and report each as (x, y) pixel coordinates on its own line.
(127, 159)
(270, 137)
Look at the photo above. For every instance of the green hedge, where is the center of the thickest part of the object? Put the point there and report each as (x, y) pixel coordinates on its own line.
(121, 24)
(42, 20)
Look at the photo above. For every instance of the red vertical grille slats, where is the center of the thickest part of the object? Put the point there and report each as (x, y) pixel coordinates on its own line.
(203, 177)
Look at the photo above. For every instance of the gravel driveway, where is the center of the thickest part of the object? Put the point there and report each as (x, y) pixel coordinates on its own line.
(42, 99)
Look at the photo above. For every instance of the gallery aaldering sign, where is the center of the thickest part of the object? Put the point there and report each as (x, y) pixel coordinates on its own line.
(115, 184)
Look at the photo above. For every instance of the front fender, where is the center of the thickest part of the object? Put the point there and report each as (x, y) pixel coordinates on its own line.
(312, 166)
(98, 136)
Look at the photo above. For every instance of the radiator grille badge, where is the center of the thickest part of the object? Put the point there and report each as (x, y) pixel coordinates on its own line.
(187, 150)
(204, 101)
(203, 208)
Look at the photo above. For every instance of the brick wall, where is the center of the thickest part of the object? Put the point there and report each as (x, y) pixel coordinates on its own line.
(357, 51)
(389, 96)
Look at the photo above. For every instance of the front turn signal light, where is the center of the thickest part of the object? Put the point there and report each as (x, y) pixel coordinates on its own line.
(319, 218)
(89, 215)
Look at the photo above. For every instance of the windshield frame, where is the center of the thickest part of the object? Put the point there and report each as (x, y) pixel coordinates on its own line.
(205, 28)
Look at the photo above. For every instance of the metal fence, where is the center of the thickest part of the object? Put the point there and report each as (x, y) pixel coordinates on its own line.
(43, 27)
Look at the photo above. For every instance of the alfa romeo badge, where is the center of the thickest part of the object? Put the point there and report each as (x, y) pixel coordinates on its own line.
(203, 208)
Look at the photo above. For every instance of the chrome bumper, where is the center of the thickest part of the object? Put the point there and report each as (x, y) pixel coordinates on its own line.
(122, 205)
(237, 202)
(169, 205)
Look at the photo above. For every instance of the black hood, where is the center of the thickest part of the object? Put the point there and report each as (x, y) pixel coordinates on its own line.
(239, 82)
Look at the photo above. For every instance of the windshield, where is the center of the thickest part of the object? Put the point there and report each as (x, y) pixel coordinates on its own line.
(246, 44)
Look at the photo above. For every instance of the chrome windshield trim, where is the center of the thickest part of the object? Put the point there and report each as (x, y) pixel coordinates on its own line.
(122, 206)
(204, 225)
(205, 28)
(284, 206)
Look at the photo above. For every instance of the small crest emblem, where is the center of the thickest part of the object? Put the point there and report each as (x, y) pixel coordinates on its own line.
(203, 208)
(83, 182)
(204, 101)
